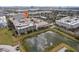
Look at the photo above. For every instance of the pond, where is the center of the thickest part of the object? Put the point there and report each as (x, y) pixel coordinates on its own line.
(45, 40)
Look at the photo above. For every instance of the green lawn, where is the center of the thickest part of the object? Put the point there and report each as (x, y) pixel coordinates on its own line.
(6, 37)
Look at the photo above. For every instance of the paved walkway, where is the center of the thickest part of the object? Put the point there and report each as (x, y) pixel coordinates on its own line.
(7, 48)
(61, 48)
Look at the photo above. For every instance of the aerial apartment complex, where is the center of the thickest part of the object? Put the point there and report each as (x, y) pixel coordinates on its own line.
(24, 24)
(68, 22)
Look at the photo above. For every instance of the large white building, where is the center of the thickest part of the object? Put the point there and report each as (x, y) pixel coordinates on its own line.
(68, 22)
(23, 25)
(3, 22)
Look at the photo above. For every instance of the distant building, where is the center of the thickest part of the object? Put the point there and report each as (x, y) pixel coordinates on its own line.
(68, 22)
(3, 21)
(10, 14)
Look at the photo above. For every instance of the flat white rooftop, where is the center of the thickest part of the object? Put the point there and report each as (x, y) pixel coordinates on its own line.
(22, 23)
(68, 22)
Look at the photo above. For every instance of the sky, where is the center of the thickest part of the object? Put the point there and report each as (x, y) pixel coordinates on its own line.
(39, 3)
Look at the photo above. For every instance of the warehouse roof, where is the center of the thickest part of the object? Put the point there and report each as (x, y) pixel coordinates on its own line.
(69, 20)
(21, 23)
